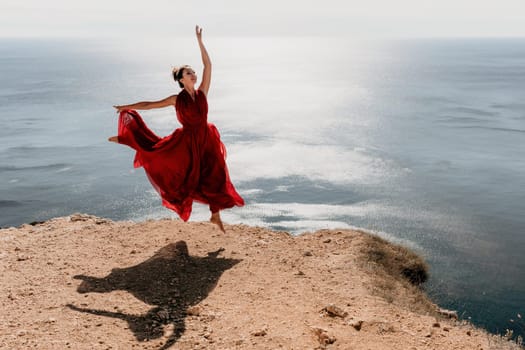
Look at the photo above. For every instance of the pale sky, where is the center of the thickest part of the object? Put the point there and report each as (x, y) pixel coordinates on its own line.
(168, 18)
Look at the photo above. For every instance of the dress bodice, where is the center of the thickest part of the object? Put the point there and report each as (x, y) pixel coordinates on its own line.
(192, 113)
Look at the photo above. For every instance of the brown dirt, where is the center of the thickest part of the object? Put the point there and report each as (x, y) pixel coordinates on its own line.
(82, 282)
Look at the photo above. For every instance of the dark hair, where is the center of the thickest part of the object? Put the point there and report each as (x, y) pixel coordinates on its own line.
(177, 74)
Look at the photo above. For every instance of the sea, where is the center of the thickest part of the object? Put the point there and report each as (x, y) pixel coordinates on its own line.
(421, 141)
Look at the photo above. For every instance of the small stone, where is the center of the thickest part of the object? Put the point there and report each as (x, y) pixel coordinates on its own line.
(328, 240)
(34, 223)
(193, 311)
(469, 333)
(239, 342)
(334, 311)
(323, 337)
(260, 333)
(357, 324)
(449, 313)
(133, 252)
(436, 325)
(299, 273)
(307, 253)
(446, 329)
(78, 217)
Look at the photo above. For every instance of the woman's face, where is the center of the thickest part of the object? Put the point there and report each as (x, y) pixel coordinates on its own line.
(189, 78)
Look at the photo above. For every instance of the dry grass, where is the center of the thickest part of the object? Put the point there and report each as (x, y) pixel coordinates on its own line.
(398, 274)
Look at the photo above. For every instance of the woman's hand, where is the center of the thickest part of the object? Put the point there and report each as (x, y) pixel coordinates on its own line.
(119, 108)
(198, 32)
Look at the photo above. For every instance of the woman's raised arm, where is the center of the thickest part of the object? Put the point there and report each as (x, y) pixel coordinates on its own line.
(206, 72)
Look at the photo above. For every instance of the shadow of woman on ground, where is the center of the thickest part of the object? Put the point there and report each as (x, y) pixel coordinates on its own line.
(171, 280)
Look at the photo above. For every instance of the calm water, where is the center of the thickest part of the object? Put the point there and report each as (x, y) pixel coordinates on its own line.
(421, 141)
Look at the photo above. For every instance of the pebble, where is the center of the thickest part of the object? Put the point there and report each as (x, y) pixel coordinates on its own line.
(193, 311)
(448, 313)
(323, 337)
(334, 311)
(357, 324)
(260, 333)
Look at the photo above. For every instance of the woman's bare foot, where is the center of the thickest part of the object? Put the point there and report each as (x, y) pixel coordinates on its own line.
(216, 219)
(113, 139)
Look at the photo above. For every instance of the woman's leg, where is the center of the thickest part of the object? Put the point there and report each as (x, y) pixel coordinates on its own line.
(216, 219)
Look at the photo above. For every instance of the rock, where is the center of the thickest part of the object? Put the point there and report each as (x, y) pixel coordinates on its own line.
(299, 273)
(334, 311)
(163, 315)
(193, 311)
(469, 333)
(34, 223)
(328, 240)
(86, 217)
(357, 324)
(307, 253)
(449, 313)
(323, 337)
(79, 217)
(100, 221)
(436, 325)
(260, 333)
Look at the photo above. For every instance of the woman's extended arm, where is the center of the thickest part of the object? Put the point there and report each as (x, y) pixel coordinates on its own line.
(168, 101)
(206, 73)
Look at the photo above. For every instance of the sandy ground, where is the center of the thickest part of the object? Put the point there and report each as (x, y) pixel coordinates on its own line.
(82, 282)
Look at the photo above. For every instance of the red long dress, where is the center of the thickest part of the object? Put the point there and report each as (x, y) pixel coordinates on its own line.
(189, 164)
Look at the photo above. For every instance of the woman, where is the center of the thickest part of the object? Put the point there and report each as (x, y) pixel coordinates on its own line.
(190, 163)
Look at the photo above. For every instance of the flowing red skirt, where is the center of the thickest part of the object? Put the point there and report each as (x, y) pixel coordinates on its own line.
(188, 165)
